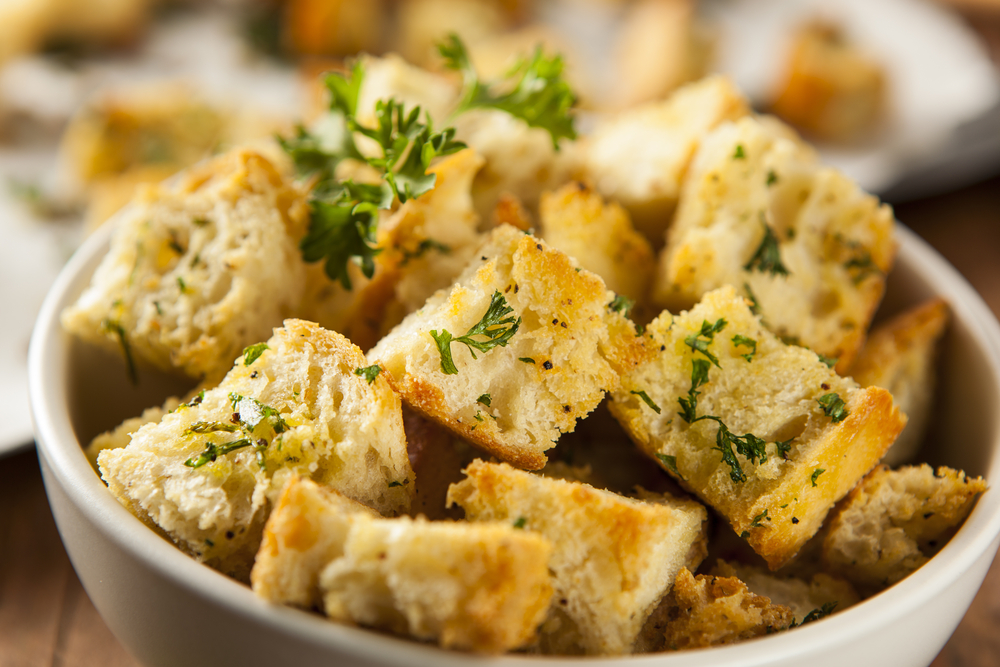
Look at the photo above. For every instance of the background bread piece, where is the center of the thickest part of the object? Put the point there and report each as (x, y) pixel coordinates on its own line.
(639, 158)
(773, 396)
(830, 89)
(834, 241)
(799, 595)
(341, 432)
(520, 159)
(200, 269)
(614, 557)
(426, 244)
(391, 76)
(121, 435)
(600, 235)
(899, 355)
(575, 347)
(479, 587)
(305, 531)
(713, 611)
(895, 520)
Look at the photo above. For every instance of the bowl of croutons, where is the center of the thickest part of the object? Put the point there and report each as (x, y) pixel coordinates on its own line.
(672, 392)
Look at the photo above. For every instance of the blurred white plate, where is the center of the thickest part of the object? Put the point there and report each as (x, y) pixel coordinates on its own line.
(943, 88)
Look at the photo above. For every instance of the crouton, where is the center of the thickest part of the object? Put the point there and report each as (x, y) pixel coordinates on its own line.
(520, 160)
(895, 520)
(771, 437)
(207, 473)
(199, 270)
(478, 587)
(899, 355)
(639, 158)
(576, 220)
(121, 435)
(661, 45)
(560, 349)
(392, 77)
(803, 241)
(614, 557)
(423, 24)
(306, 530)
(803, 597)
(426, 243)
(713, 611)
(332, 27)
(830, 88)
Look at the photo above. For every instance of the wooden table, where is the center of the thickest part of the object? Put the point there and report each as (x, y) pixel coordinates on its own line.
(46, 617)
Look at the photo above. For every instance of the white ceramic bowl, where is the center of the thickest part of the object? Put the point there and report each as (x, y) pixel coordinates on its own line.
(169, 610)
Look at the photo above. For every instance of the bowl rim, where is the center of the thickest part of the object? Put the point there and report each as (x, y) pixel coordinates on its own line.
(61, 450)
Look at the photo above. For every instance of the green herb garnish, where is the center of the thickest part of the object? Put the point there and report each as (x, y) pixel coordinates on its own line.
(621, 304)
(647, 400)
(534, 90)
(520, 523)
(496, 325)
(700, 341)
(252, 353)
(115, 327)
(211, 427)
(767, 258)
(829, 361)
(743, 341)
(670, 462)
(484, 400)
(816, 473)
(369, 373)
(739, 154)
(213, 451)
(772, 177)
(527, 360)
(833, 407)
(394, 484)
(756, 523)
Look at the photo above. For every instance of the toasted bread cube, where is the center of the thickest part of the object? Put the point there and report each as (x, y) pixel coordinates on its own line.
(306, 530)
(120, 435)
(199, 270)
(807, 244)
(332, 27)
(831, 89)
(298, 409)
(425, 245)
(512, 400)
(661, 45)
(614, 557)
(639, 158)
(801, 596)
(600, 235)
(520, 159)
(423, 24)
(899, 355)
(479, 587)
(392, 77)
(769, 390)
(895, 520)
(714, 611)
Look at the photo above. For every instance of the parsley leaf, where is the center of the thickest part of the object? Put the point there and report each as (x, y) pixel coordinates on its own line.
(520, 523)
(647, 400)
(743, 341)
(211, 427)
(115, 327)
(816, 473)
(252, 353)
(527, 360)
(739, 153)
(340, 231)
(756, 523)
(829, 361)
(816, 614)
(535, 90)
(369, 373)
(496, 325)
(621, 304)
(484, 400)
(833, 407)
(670, 462)
(700, 341)
(699, 376)
(214, 451)
(767, 258)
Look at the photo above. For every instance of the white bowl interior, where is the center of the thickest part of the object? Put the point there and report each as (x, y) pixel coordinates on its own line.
(78, 391)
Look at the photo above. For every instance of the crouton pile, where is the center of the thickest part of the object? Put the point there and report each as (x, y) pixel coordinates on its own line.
(523, 390)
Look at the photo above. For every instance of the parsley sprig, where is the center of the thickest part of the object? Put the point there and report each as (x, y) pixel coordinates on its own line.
(248, 415)
(496, 326)
(344, 214)
(729, 444)
(535, 90)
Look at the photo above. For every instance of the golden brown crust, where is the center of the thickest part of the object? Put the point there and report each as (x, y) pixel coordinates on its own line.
(614, 557)
(714, 611)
